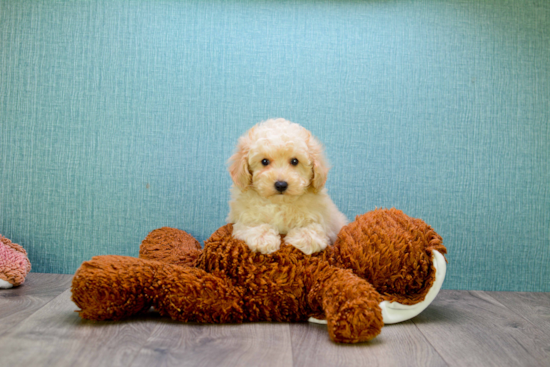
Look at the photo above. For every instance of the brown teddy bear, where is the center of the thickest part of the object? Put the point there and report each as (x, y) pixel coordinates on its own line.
(381, 260)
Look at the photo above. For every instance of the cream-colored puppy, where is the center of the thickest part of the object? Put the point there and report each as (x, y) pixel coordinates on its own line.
(279, 174)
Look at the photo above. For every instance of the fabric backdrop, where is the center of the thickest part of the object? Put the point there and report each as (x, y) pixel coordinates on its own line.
(117, 117)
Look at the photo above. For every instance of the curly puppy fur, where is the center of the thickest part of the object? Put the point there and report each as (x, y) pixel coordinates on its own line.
(279, 173)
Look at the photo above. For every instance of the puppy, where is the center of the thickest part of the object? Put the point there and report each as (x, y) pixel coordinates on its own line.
(279, 173)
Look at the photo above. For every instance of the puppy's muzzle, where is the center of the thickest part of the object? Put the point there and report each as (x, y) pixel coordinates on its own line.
(281, 186)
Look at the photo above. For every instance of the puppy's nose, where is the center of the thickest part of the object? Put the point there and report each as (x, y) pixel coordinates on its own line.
(281, 186)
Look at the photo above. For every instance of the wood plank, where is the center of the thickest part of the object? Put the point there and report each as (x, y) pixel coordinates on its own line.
(56, 336)
(459, 328)
(16, 304)
(398, 345)
(39, 285)
(254, 344)
(473, 329)
(534, 307)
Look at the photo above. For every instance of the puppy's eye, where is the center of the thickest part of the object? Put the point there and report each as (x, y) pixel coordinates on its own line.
(265, 162)
(294, 161)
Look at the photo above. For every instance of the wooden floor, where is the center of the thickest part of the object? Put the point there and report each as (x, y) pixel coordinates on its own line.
(38, 327)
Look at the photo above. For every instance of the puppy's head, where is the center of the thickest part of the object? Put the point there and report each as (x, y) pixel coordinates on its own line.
(278, 157)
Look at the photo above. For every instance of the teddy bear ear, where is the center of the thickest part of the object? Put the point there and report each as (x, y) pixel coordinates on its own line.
(319, 163)
(238, 165)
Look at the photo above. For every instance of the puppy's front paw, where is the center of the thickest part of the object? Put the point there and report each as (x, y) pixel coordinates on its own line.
(309, 239)
(263, 238)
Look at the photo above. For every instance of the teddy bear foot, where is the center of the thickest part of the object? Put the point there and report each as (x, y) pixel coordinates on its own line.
(349, 303)
(394, 312)
(357, 321)
(113, 287)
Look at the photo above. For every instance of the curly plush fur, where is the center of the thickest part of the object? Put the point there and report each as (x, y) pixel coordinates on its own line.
(14, 263)
(382, 255)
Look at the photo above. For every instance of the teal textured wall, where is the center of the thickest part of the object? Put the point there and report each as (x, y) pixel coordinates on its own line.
(117, 117)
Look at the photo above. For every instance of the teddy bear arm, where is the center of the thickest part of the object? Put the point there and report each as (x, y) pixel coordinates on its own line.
(172, 246)
(349, 303)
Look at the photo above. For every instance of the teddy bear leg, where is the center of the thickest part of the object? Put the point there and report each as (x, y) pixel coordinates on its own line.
(113, 287)
(193, 295)
(116, 287)
(349, 303)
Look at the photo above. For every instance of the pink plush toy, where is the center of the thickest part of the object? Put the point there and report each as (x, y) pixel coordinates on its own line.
(14, 264)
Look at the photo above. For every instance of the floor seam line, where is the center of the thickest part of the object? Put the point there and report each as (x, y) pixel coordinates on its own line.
(14, 329)
(431, 345)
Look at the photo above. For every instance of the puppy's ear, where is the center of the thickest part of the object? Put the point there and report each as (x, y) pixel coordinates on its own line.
(319, 163)
(238, 169)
